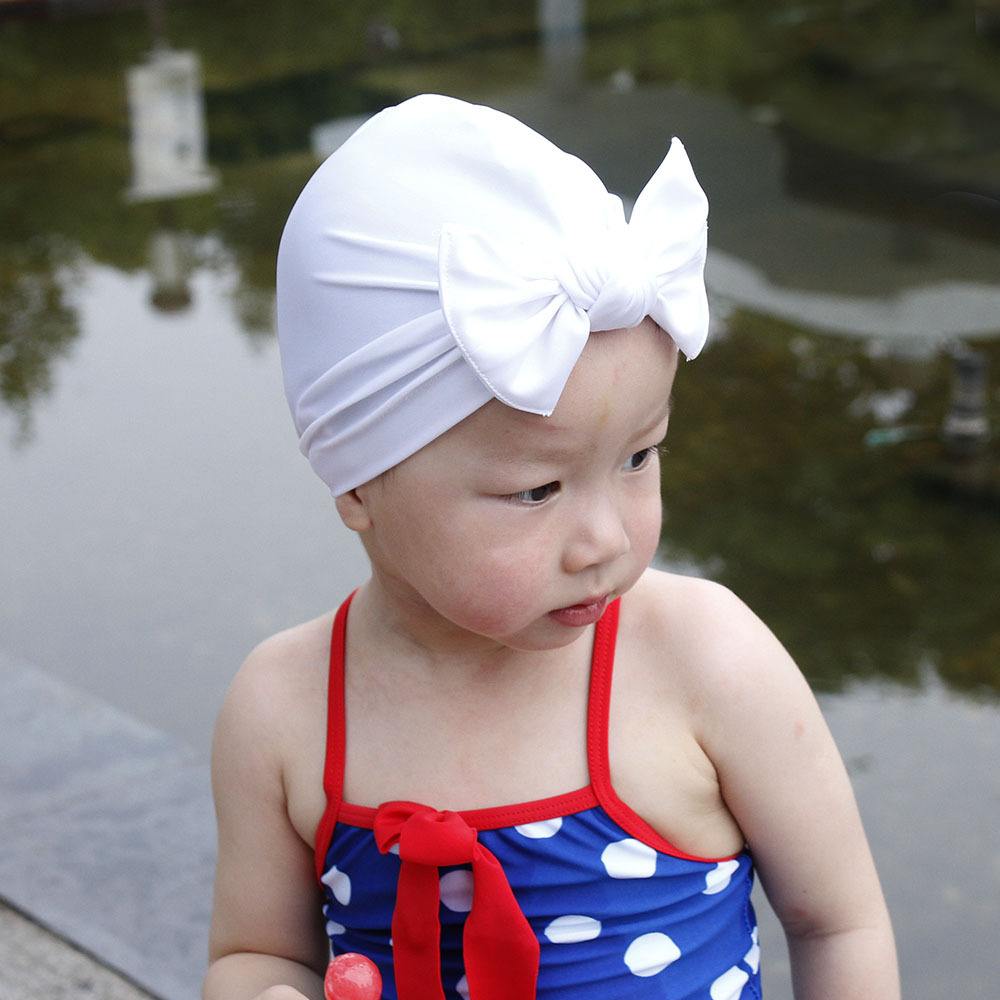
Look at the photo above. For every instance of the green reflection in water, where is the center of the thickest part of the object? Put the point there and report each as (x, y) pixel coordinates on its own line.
(852, 554)
(37, 323)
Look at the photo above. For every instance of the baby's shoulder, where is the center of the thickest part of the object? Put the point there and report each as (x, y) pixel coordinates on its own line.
(695, 628)
(694, 592)
(687, 606)
(289, 659)
(282, 683)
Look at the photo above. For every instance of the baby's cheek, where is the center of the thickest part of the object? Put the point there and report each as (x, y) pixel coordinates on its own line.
(646, 522)
(501, 592)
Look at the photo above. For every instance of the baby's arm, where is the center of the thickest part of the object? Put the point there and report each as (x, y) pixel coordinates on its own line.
(265, 929)
(783, 780)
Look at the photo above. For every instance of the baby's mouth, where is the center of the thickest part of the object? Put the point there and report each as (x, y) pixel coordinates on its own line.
(581, 615)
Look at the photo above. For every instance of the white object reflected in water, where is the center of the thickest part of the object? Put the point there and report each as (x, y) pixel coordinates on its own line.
(916, 320)
(167, 137)
(564, 43)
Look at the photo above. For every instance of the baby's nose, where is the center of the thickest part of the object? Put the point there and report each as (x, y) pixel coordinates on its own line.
(598, 536)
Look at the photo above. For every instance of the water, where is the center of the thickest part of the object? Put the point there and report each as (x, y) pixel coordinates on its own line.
(159, 520)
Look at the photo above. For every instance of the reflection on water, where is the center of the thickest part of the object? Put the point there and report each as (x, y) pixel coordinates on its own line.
(167, 146)
(784, 480)
(37, 322)
(167, 127)
(159, 519)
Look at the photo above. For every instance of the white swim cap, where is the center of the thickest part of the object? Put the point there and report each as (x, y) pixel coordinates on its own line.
(447, 254)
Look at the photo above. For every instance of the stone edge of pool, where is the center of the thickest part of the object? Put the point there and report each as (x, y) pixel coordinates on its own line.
(108, 845)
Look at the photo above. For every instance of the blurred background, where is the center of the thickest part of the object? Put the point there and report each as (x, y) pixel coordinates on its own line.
(830, 458)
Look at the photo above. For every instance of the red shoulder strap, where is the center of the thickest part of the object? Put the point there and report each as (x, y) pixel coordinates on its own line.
(333, 770)
(598, 757)
(599, 708)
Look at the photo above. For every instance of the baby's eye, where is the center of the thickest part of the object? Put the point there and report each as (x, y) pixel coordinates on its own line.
(640, 458)
(537, 494)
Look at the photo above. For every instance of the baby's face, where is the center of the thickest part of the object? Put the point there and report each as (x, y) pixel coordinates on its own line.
(520, 528)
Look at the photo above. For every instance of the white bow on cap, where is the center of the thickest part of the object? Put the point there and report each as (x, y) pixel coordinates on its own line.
(521, 315)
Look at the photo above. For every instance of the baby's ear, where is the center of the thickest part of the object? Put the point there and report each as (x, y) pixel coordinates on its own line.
(353, 511)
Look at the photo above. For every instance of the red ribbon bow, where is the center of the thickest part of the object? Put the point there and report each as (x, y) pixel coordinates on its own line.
(500, 949)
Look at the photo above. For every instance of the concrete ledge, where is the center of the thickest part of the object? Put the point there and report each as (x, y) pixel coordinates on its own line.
(36, 963)
(108, 832)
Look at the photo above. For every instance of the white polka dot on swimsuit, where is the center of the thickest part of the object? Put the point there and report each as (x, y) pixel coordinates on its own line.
(604, 909)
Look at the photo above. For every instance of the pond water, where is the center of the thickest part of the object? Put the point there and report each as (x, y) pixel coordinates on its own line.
(159, 519)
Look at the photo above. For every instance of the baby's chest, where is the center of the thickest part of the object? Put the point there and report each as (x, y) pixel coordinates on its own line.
(455, 759)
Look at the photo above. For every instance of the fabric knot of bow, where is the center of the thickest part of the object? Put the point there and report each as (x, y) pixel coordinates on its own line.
(521, 314)
(619, 290)
(500, 949)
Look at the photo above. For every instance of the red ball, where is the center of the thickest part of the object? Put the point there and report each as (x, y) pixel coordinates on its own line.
(352, 977)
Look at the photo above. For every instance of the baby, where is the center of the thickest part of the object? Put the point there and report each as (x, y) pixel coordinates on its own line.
(517, 761)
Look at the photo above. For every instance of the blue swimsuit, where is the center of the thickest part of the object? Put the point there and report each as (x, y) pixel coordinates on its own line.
(573, 897)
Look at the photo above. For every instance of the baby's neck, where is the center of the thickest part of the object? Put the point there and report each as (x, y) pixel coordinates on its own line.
(400, 632)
